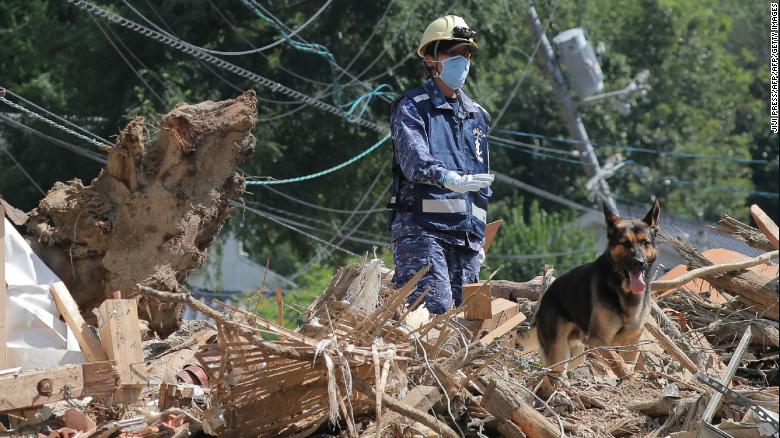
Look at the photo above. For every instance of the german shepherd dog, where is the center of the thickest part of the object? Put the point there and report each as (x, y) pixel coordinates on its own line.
(605, 302)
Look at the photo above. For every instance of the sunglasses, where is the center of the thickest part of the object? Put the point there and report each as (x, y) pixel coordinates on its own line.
(462, 50)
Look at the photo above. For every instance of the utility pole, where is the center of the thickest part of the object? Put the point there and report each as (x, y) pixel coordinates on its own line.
(570, 114)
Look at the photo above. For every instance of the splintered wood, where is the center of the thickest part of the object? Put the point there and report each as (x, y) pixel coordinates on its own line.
(304, 380)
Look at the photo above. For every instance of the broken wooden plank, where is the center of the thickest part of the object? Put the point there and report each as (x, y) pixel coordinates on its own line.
(504, 403)
(501, 311)
(3, 296)
(708, 360)
(120, 337)
(41, 387)
(491, 230)
(670, 346)
(478, 298)
(406, 410)
(36, 388)
(734, 363)
(502, 329)
(754, 290)
(279, 307)
(100, 378)
(88, 341)
(422, 398)
(766, 225)
(660, 286)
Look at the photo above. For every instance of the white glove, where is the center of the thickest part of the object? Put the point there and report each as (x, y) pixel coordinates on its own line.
(467, 183)
(481, 256)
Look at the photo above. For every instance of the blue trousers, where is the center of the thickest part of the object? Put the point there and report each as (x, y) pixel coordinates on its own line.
(451, 267)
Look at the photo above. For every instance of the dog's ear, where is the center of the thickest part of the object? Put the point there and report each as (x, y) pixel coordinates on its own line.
(651, 218)
(610, 218)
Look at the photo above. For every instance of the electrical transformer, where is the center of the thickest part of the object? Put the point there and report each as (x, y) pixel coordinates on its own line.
(577, 56)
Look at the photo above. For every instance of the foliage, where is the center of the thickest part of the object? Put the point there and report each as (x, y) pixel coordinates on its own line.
(709, 94)
(532, 231)
(311, 284)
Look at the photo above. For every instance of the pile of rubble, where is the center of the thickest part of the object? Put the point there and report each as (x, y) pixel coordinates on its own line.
(365, 363)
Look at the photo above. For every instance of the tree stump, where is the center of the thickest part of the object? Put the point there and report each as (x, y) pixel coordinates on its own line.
(152, 212)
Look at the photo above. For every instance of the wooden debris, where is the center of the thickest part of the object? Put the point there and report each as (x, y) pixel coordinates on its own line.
(491, 230)
(711, 270)
(766, 225)
(178, 396)
(731, 227)
(121, 340)
(421, 398)
(714, 403)
(36, 388)
(88, 341)
(514, 291)
(503, 402)
(501, 311)
(352, 367)
(258, 383)
(670, 346)
(478, 298)
(407, 411)
(279, 306)
(753, 290)
(502, 329)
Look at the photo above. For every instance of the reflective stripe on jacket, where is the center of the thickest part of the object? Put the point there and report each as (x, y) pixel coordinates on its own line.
(430, 139)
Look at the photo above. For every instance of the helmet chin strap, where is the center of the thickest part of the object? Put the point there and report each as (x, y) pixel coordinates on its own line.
(436, 58)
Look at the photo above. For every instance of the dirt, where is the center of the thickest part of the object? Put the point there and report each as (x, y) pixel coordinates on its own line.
(152, 212)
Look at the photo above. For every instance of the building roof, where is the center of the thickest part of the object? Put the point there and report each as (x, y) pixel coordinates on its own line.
(696, 232)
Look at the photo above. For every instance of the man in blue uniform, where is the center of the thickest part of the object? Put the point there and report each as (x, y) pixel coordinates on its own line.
(441, 183)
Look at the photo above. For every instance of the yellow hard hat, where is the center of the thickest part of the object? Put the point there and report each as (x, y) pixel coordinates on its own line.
(447, 28)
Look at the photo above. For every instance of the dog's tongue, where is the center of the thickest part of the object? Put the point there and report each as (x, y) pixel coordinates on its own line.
(637, 282)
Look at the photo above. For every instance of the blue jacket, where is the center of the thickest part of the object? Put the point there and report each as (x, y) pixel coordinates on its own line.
(430, 138)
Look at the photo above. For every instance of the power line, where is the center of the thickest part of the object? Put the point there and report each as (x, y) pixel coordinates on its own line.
(260, 80)
(302, 217)
(382, 195)
(49, 122)
(30, 178)
(51, 114)
(63, 144)
(282, 223)
(663, 179)
(321, 208)
(204, 64)
(535, 150)
(541, 192)
(237, 53)
(526, 70)
(370, 37)
(334, 236)
(539, 256)
(323, 172)
(133, 55)
(683, 182)
(321, 50)
(567, 140)
(121, 55)
(233, 26)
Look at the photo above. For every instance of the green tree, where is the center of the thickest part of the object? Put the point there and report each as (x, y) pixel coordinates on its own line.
(532, 237)
(708, 62)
